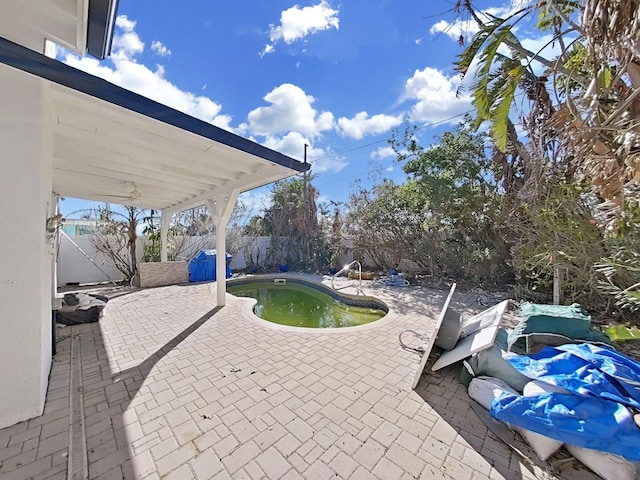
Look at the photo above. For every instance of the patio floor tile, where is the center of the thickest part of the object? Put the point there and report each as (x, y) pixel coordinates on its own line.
(176, 388)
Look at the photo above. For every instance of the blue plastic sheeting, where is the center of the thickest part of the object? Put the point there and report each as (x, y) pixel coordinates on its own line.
(603, 384)
(202, 267)
(585, 369)
(583, 421)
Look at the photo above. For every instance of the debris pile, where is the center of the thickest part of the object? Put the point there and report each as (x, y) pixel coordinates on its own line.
(553, 379)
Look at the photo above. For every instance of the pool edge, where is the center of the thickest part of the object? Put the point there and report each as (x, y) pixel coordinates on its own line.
(248, 304)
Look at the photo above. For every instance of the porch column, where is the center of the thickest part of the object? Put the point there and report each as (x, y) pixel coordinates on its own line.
(165, 220)
(221, 208)
(27, 250)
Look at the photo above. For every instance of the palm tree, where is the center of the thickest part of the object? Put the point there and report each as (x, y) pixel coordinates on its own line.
(592, 121)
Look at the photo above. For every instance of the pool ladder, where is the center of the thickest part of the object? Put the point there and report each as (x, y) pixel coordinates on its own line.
(346, 268)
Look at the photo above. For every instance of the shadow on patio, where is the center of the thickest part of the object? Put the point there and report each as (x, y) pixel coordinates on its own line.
(107, 396)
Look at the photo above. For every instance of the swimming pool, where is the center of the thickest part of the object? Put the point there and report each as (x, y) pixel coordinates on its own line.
(298, 303)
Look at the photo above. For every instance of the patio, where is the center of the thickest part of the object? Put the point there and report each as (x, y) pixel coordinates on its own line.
(174, 387)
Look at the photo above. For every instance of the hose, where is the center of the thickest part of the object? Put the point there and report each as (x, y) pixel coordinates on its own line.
(419, 350)
(395, 281)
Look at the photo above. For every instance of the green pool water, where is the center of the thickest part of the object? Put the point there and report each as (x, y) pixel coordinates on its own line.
(302, 306)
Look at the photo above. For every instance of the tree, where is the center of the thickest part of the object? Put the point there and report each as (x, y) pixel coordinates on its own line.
(583, 125)
(457, 193)
(115, 236)
(593, 123)
(292, 222)
(386, 225)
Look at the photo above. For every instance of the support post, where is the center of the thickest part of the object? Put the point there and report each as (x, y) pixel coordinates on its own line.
(220, 208)
(165, 220)
(26, 258)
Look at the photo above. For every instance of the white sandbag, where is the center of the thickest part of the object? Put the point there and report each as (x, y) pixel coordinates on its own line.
(536, 387)
(608, 465)
(485, 389)
(543, 446)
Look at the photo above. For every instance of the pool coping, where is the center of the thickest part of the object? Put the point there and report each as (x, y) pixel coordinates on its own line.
(248, 304)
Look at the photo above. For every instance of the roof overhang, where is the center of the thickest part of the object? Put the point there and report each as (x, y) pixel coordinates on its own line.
(112, 145)
(82, 26)
(102, 19)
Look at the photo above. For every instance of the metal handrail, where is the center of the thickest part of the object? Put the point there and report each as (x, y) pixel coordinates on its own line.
(347, 267)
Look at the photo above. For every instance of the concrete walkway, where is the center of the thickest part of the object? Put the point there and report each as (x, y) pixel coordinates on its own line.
(169, 386)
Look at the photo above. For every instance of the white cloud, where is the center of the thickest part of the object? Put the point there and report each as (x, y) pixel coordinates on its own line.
(126, 25)
(127, 41)
(456, 29)
(467, 28)
(297, 23)
(361, 124)
(435, 96)
(545, 47)
(256, 200)
(267, 50)
(292, 144)
(160, 48)
(290, 110)
(332, 163)
(128, 73)
(383, 152)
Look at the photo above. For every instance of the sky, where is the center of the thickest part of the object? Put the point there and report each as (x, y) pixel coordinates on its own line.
(337, 76)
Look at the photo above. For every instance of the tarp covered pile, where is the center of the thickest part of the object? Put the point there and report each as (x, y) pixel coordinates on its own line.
(567, 386)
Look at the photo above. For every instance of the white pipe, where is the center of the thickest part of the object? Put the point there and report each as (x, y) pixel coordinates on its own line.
(165, 220)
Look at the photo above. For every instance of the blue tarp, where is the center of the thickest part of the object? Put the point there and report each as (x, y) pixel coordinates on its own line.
(202, 267)
(604, 388)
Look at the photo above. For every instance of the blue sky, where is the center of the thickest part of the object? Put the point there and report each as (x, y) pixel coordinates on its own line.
(336, 76)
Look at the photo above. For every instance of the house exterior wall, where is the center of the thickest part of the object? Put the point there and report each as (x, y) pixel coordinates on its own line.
(25, 256)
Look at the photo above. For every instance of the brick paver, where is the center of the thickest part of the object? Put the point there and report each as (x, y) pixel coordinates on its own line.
(174, 387)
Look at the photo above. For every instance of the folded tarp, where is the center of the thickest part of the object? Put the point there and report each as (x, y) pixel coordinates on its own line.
(552, 325)
(604, 387)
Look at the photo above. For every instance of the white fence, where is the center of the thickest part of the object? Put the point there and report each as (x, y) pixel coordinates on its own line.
(75, 268)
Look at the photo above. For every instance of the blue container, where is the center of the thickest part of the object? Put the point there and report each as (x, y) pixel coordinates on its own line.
(202, 267)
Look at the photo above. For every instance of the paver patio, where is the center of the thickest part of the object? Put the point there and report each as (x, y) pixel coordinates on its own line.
(169, 386)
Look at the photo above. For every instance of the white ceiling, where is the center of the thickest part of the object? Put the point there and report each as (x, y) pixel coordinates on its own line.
(104, 152)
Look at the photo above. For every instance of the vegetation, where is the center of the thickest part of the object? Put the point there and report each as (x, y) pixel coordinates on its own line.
(574, 176)
(294, 225)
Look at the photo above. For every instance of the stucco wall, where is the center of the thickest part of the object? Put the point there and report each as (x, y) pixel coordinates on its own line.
(25, 255)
